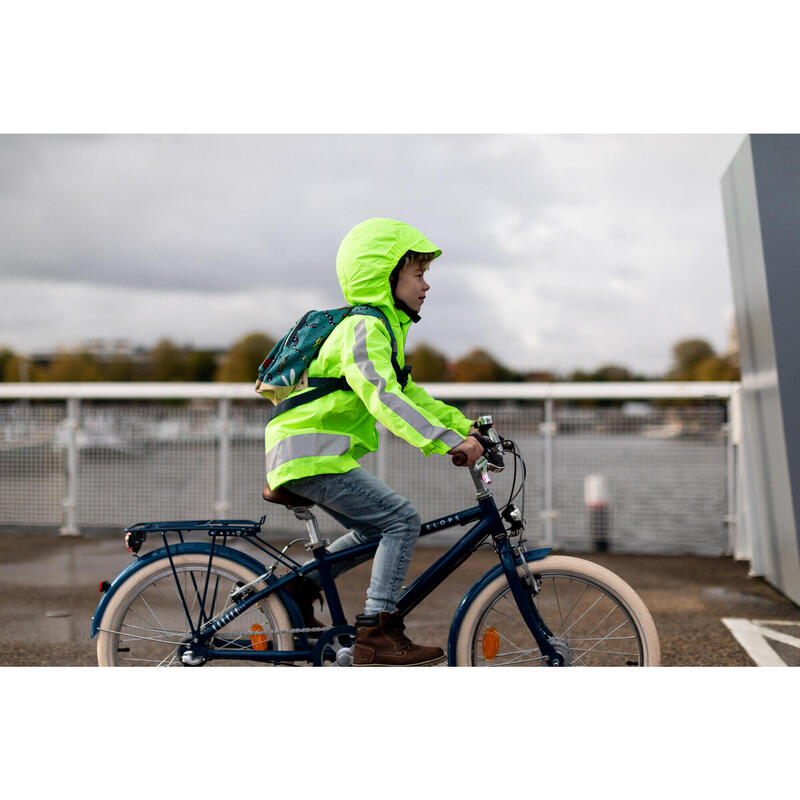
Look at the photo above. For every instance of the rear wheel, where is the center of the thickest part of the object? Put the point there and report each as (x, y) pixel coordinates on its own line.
(596, 618)
(145, 622)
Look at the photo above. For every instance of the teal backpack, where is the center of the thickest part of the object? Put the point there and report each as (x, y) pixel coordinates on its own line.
(284, 371)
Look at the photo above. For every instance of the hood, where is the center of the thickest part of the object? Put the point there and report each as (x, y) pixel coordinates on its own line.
(367, 256)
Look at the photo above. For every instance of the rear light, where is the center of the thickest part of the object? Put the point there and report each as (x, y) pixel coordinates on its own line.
(134, 541)
(103, 587)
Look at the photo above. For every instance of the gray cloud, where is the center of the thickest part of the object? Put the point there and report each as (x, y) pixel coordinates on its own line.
(559, 250)
(210, 213)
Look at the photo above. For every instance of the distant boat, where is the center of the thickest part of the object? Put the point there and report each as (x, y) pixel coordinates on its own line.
(99, 435)
(670, 430)
(19, 441)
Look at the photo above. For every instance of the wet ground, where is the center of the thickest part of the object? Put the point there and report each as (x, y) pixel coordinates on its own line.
(49, 591)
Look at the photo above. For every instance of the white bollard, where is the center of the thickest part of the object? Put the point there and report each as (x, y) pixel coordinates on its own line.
(595, 497)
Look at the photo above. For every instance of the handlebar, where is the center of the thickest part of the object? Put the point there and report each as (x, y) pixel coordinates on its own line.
(491, 443)
(494, 448)
(459, 459)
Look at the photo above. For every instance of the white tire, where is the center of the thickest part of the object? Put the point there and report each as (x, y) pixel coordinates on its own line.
(145, 622)
(598, 620)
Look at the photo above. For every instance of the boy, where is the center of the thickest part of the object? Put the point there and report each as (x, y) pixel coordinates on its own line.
(313, 449)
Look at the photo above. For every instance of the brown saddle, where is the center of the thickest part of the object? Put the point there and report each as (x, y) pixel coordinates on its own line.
(284, 497)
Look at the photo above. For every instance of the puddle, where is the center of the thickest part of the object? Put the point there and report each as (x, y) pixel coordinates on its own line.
(69, 566)
(720, 594)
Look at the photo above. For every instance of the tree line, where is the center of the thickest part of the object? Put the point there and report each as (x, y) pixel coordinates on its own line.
(693, 360)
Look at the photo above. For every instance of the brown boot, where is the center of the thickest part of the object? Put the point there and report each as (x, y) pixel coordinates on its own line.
(304, 592)
(381, 642)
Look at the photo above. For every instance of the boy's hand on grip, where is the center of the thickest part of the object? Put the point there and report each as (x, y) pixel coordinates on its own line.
(466, 453)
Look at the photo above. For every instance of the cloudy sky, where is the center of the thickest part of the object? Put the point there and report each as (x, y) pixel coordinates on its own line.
(560, 252)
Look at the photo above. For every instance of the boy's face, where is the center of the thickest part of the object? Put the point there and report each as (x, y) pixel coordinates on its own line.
(411, 285)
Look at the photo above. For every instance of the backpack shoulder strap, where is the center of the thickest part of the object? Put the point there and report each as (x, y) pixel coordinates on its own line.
(372, 311)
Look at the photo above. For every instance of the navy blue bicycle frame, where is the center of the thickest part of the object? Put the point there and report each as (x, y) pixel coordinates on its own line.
(489, 523)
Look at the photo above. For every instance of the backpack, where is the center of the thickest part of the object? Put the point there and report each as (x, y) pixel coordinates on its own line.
(284, 371)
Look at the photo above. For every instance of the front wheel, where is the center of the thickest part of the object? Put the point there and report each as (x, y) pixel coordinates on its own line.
(595, 617)
(145, 622)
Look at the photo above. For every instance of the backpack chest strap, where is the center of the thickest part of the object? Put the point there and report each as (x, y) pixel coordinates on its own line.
(318, 387)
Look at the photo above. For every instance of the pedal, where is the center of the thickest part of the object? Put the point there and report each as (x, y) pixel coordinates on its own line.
(344, 657)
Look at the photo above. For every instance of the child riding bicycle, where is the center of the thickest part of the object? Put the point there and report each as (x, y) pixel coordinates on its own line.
(312, 449)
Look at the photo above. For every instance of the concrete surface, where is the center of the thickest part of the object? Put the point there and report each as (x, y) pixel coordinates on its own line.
(49, 590)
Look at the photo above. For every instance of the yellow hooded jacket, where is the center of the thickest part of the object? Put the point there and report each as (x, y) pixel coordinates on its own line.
(330, 434)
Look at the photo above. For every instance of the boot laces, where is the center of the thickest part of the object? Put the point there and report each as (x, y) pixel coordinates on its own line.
(399, 630)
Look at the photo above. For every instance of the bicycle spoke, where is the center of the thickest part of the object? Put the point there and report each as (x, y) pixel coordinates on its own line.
(610, 613)
(171, 600)
(591, 627)
(558, 606)
(520, 659)
(149, 629)
(595, 645)
(165, 631)
(596, 639)
(130, 637)
(498, 662)
(507, 616)
(152, 613)
(170, 659)
(574, 605)
(564, 633)
(615, 653)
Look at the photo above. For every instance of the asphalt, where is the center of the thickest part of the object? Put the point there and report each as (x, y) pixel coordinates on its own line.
(49, 590)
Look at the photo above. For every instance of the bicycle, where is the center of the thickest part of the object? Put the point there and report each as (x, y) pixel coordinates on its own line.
(193, 603)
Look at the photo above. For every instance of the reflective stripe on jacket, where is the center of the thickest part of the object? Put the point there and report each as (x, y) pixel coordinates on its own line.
(330, 434)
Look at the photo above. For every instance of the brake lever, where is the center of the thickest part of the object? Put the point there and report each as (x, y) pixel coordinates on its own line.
(490, 451)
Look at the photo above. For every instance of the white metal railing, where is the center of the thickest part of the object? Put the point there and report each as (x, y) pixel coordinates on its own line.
(222, 439)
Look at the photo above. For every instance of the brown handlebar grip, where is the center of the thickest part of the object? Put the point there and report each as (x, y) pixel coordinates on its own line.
(459, 459)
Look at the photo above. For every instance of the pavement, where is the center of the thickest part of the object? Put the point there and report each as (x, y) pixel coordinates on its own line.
(49, 591)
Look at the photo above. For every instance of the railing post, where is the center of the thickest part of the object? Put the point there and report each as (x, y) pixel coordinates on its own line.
(549, 513)
(71, 423)
(223, 506)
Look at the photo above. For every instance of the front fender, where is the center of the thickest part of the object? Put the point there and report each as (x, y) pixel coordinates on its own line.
(203, 548)
(487, 577)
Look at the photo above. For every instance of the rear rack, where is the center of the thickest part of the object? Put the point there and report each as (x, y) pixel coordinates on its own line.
(231, 527)
(135, 535)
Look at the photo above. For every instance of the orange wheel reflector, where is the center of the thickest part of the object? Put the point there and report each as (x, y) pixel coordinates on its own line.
(257, 639)
(490, 644)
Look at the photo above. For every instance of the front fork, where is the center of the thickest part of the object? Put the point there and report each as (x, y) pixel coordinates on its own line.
(522, 595)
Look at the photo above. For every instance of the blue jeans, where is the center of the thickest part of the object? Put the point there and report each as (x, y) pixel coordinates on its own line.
(362, 502)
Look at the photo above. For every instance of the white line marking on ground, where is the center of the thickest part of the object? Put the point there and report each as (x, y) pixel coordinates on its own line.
(752, 635)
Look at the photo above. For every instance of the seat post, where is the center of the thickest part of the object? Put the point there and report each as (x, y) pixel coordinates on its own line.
(305, 514)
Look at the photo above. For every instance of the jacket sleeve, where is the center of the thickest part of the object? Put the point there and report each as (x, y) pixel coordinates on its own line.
(369, 372)
(449, 415)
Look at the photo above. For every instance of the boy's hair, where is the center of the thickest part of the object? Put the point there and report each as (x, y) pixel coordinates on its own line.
(411, 255)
